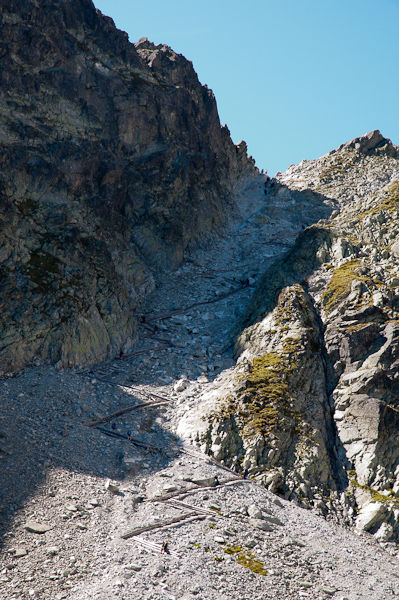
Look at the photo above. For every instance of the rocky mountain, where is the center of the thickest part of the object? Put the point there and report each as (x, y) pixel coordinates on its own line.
(311, 408)
(96, 475)
(112, 161)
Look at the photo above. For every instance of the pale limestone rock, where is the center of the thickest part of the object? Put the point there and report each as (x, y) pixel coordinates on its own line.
(384, 532)
(35, 527)
(111, 487)
(260, 524)
(254, 512)
(370, 515)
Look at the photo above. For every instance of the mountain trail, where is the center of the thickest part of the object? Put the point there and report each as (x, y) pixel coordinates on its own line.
(74, 497)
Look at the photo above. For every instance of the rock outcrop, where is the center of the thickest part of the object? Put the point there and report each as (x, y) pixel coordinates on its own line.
(112, 161)
(312, 406)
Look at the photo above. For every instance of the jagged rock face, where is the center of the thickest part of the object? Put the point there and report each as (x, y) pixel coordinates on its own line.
(346, 270)
(112, 160)
(272, 414)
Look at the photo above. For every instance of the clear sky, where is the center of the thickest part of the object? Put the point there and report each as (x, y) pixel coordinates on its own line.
(294, 79)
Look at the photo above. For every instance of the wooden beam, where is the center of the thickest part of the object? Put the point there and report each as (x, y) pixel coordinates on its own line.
(138, 530)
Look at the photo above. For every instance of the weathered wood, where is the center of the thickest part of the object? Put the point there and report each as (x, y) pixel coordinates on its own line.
(163, 316)
(192, 490)
(179, 504)
(123, 411)
(155, 547)
(136, 390)
(160, 525)
(210, 460)
(133, 441)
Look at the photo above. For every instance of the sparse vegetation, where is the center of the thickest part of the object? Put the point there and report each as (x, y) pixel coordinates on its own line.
(266, 393)
(246, 559)
(339, 285)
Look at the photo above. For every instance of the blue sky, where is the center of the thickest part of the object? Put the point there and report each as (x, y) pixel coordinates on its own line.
(293, 79)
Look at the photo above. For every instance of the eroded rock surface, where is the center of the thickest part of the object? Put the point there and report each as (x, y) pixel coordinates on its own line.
(312, 406)
(112, 160)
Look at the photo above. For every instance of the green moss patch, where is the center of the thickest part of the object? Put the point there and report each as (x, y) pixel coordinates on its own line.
(246, 559)
(41, 268)
(266, 393)
(389, 203)
(375, 495)
(340, 284)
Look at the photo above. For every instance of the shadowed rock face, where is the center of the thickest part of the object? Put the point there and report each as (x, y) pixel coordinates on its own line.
(112, 159)
(318, 349)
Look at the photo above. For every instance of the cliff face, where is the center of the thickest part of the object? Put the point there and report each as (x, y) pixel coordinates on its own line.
(312, 406)
(112, 159)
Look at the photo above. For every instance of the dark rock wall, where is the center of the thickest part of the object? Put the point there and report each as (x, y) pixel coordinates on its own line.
(112, 159)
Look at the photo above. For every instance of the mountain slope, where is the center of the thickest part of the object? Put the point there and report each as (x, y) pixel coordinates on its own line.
(312, 406)
(112, 160)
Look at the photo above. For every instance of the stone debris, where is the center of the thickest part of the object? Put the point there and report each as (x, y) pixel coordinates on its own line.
(35, 527)
(299, 546)
(111, 487)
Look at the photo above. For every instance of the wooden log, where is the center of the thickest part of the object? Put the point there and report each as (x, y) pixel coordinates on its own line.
(133, 441)
(210, 460)
(136, 390)
(123, 411)
(155, 547)
(189, 491)
(160, 525)
(179, 504)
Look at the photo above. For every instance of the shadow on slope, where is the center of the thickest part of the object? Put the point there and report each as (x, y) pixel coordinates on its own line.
(45, 447)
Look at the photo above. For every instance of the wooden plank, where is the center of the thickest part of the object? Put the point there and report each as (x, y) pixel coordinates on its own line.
(133, 441)
(189, 491)
(160, 525)
(123, 411)
(179, 504)
(155, 547)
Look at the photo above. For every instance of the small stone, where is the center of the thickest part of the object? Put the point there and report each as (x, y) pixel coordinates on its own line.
(133, 567)
(119, 583)
(181, 385)
(262, 525)
(202, 379)
(208, 482)
(219, 540)
(111, 487)
(170, 488)
(270, 519)
(328, 591)
(93, 502)
(71, 507)
(81, 526)
(53, 550)
(254, 512)
(277, 502)
(208, 316)
(19, 552)
(35, 527)
(305, 584)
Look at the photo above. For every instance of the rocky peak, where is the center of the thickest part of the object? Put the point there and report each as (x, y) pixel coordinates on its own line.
(113, 161)
(372, 143)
